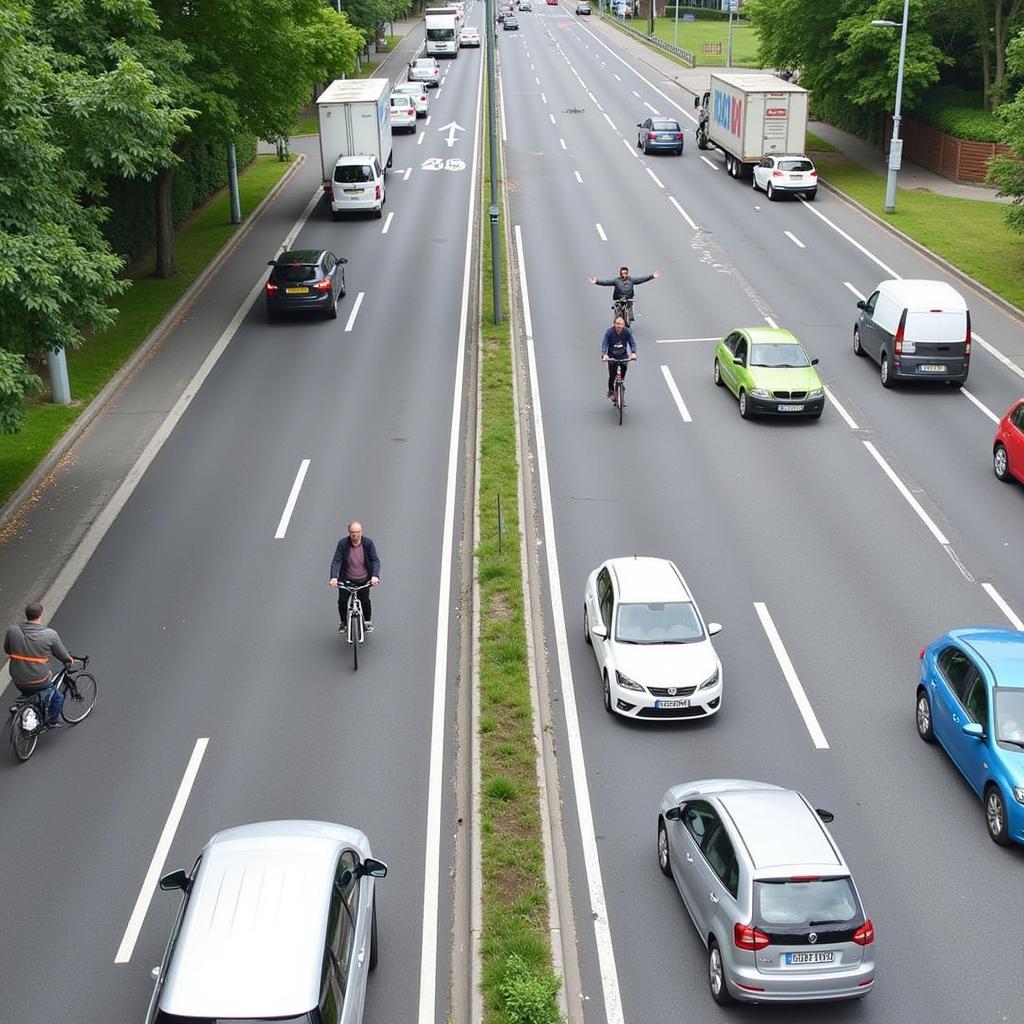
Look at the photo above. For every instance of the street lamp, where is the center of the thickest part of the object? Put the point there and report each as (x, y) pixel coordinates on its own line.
(896, 144)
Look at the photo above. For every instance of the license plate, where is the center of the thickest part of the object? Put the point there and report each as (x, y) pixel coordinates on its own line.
(671, 703)
(791, 408)
(353, 191)
(666, 138)
(823, 956)
(297, 291)
(932, 368)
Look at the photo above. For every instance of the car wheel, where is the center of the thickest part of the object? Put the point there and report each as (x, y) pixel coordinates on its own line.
(770, 192)
(373, 935)
(753, 182)
(718, 374)
(702, 139)
(343, 286)
(883, 372)
(271, 315)
(957, 384)
(1001, 464)
(923, 716)
(586, 627)
(745, 410)
(679, 151)
(857, 349)
(716, 976)
(332, 313)
(663, 856)
(995, 816)
(380, 210)
(810, 195)
(607, 694)
(639, 142)
(335, 215)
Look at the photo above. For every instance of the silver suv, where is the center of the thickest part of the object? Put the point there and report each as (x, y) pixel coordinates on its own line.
(768, 891)
(278, 922)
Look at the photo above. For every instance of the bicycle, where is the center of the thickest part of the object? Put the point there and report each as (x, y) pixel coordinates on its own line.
(624, 308)
(355, 624)
(619, 387)
(30, 712)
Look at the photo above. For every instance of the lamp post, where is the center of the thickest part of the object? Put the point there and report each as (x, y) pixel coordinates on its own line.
(896, 143)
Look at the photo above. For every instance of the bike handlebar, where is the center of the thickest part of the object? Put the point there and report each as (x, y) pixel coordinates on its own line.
(354, 589)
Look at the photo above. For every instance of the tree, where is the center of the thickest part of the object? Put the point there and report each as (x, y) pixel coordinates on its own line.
(1008, 171)
(996, 20)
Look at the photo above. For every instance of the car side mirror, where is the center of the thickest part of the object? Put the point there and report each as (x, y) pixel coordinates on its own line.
(714, 628)
(271, 263)
(738, 360)
(176, 880)
(343, 259)
(973, 729)
(673, 814)
(639, 124)
(826, 816)
(696, 102)
(814, 362)
(600, 632)
(374, 868)
(861, 304)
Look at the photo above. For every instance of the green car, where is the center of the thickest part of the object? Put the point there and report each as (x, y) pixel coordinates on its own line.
(767, 369)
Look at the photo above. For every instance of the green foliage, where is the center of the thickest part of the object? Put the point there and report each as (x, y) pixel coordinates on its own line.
(501, 788)
(699, 13)
(965, 123)
(1008, 171)
(529, 998)
(16, 380)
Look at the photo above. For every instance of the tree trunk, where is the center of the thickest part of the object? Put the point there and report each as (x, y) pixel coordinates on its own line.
(166, 265)
(986, 63)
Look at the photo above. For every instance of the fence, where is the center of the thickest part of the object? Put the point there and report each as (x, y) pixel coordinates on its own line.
(654, 41)
(953, 158)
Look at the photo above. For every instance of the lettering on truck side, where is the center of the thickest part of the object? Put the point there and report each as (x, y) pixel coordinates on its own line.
(728, 113)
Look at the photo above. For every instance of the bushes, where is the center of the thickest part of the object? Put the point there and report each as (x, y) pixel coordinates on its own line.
(958, 113)
(529, 998)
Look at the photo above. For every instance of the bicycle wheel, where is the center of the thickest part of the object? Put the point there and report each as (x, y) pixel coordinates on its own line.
(620, 399)
(23, 740)
(79, 697)
(354, 630)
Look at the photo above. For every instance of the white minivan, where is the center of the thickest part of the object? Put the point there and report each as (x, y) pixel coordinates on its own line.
(915, 330)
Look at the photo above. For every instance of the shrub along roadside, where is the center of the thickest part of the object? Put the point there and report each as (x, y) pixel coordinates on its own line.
(518, 984)
(142, 307)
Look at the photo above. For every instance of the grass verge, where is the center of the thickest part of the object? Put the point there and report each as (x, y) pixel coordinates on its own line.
(694, 34)
(142, 307)
(969, 233)
(519, 986)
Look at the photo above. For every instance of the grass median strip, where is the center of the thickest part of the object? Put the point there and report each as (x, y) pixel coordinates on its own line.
(142, 307)
(519, 986)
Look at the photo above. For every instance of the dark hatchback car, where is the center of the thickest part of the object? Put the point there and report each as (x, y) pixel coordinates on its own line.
(660, 135)
(305, 280)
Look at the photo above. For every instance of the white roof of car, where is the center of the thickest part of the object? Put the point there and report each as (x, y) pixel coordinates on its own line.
(641, 578)
(921, 294)
(421, 61)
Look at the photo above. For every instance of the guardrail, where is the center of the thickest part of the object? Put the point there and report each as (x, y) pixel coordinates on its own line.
(651, 40)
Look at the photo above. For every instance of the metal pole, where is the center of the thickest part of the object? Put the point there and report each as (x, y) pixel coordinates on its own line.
(896, 145)
(60, 386)
(236, 206)
(675, 32)
(492, 144)
(728, 57)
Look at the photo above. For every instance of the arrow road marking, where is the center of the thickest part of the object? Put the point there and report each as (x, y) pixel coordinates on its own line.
(451, 128)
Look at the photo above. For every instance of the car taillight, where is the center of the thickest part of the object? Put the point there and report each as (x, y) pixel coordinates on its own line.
(776, 174)
(376, 192)
(651, 136)
(745, 936)
(329, 192)
(271, 288)
(920, 656)
(897, 342)
(865, 934)
(967, 337)
(323, 286)
(679, 136)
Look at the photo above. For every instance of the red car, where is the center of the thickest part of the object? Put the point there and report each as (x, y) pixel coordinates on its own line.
(552, 3)
(1008, 444)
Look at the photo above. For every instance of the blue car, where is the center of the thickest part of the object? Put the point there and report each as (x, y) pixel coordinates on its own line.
(971, 699)
(660, 135)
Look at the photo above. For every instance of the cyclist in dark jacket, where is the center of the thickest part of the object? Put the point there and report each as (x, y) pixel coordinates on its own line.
(355, 561)
(30, 645)
(622, 286)
(618, 347)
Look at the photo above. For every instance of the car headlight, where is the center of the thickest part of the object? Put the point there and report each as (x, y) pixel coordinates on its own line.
(760, 393)
(712, 680)
(817, 393)
(1018, 794)
(626, 683)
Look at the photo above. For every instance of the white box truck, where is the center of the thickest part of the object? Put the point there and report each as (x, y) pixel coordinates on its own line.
(749, 116)
(442, 31)
(355, 142)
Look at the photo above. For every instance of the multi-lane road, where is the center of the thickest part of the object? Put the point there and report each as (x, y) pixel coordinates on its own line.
(831, 551)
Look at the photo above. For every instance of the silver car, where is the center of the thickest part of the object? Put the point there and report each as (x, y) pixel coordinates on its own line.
(768, 892)
(278, 922)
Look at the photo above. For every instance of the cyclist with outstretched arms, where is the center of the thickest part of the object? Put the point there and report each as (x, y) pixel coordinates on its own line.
(622, 290)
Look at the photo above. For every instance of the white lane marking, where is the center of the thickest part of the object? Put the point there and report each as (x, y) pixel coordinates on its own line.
(981, 405)
(501, 111)
(387, 223)
(419, 141)
(630, 149)
(426, 124)
(561, 142)
(552, 118)
(996, 354)
(286, 515)
(680, 341)
(635, 93)
(908, 497)
(408, 171)
(579, 177)
(436, 779)
(600, 233)
(841, 410)
(581, 786)
(835, 227)
(156, 865)
(770, 322)
(685, 215)
(654, 178)
(860, 295)
(710, 163)
(802, 703)
(355, 308)
(543, 98)
(617, 79)
(535, 78)
(653, 110)
(610, 121)
(1015, 619)
(676, 397)
(794, 239)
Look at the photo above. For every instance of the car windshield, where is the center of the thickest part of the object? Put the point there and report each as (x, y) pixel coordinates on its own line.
(664, 126)
(778, 355)
(796, 165)
(783, 903)
(294, 272)
(668, 622)
(1009, 715)
(424, 65)
(349, 174)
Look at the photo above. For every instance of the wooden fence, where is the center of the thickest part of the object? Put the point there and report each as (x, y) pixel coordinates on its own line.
(953, 158)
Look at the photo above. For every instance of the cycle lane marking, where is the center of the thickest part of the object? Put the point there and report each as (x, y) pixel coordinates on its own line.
(676, 397)
(293, 497)
(156, 865)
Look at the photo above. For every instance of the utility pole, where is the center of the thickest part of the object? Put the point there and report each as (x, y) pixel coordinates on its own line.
(236, 207)
(494, 210)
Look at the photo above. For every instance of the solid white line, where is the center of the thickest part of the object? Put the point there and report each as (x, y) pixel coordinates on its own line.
(156, 865)
(841, 410)
(561, 142)
(654, 178)
(436, 779)
(996, 354)
(653, 110)
(981, 405)
(1015, 619)
(835, 227)
(581, 787)
(680, 341)
(676, 397)
(286, 515)
(610, 121)
(387, 223)
(408, 171)
(501, 109)
(910, 499)
(579, 177)
(854, 290)
(794, 239)
(355, 307)
(600, 233)
(802, 703)
(689, 220)
(770, 322)
(710, 163)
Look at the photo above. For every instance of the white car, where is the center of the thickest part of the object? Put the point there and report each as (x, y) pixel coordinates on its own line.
(357, 185)
(417, 92)
(786, 175)
(469, 36)
(651, 642)
(403, 113)
(425, 69)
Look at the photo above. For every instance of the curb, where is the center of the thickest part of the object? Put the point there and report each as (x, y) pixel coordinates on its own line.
(149, 343)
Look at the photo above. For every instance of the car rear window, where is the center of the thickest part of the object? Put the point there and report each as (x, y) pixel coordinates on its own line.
(796, 165)
(350, 174)
(668, 622)
(294, 272)
(786, 902)
(664, 126)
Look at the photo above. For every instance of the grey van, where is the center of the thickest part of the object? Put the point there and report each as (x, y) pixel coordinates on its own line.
(768, 892)
(915, 330)
(278, 922)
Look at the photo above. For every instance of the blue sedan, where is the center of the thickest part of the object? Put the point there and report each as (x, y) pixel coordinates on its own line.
(971, 699)
(660, 135)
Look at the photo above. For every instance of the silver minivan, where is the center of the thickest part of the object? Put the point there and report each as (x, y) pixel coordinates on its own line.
(915, 330)
(768, 891)
(278, 922)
